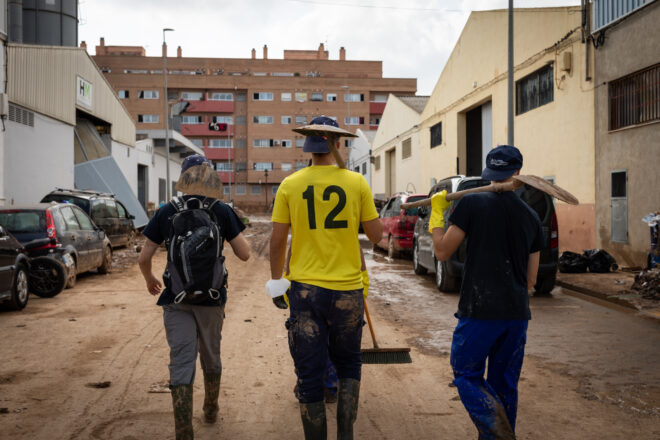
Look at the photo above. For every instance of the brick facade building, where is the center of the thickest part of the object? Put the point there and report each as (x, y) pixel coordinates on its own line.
(260, 100)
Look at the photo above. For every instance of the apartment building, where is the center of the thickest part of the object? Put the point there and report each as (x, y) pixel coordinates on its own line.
(241, 111)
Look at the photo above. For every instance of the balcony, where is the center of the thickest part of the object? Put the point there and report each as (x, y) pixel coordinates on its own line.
(210, 107)
(219, 153)
(376, 108)
(225, 176)
(373, 127)
(203, 130)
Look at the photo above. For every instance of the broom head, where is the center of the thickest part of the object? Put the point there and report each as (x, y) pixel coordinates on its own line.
(386, 356)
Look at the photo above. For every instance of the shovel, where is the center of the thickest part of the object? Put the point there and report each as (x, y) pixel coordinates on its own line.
(534, 181)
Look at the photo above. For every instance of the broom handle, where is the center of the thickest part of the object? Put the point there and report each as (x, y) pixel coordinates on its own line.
(332, 140)
(371, 327)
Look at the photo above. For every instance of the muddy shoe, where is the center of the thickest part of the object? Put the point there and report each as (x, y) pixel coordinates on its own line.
(313, 420)
(182, 403)
(211, 393)
(347, 406)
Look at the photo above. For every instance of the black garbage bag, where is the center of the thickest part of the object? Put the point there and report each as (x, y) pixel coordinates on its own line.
(570, 262)
(600, 261)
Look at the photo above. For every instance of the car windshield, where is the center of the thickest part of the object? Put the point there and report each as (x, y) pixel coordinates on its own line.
(413, 211)
(18, 222)
(62, 198)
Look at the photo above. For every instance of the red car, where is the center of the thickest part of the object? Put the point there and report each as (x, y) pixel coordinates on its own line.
(398, 224)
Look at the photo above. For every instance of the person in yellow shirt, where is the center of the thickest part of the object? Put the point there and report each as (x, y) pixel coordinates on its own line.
(323, 205)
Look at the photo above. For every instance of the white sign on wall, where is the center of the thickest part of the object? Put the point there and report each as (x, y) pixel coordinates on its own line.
(83, 92)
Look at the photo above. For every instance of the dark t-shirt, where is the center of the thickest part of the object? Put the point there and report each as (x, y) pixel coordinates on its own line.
(501, 232)
(158, 230)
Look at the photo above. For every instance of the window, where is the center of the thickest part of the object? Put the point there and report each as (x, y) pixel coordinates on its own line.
(317, 96)
(374, 120)
(331, 97)
(148, 119)
(148, 94)
(259, 74)
(255, 190)
(286, 143)
(286, 120)
(353, 120)
(191, 119)
(301, 96)
(84, 221)
(226, 190)
(241, 166)
(123, 94)
(262, 96)
(406, 149)
(364, 168)
(241, 143)
(240, 190)
(197, 142)
(379, 98)
(301, 120)
(262, 143)
(262, 119)
(221, 143)
(191, 96)
(286, 166)
(281, 74)
(241, 97)
(223, 119)
(436, 135)
(70, 219)
(300, 142)
(348, 143)
(619, 179)
(136, 71)
(634, 99)
(218, 96)
(274, 189)
(353, 97)
(286, 96)
(224, 166)
(262, 166)
(240, 120)
(377, 162)
(300, 165)
(535, 90)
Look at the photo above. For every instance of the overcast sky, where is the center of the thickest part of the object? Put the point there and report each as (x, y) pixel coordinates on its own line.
(413, 38)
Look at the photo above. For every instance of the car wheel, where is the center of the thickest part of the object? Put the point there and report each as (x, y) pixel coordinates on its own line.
(107, 261)
(545, 285)
(19, 291)
(73, 275)
(391, 251)
(47, 277)
(443, 281)
(419, 270)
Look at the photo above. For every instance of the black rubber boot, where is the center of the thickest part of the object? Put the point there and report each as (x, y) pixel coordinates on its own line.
(211, 394)
(347, 406)
(313, 420)
(182, 403)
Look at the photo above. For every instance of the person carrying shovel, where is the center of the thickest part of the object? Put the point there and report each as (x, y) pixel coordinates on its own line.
(323, 206)
(504, 237)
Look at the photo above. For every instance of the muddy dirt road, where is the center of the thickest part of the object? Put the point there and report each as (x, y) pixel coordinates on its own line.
(590, 373)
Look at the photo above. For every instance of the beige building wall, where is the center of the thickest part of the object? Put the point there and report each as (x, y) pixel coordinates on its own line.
(556, 139)
(634, 149)
(391, 173)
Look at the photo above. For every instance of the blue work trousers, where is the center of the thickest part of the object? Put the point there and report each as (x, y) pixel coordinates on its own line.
(492, 402)
(324, 323)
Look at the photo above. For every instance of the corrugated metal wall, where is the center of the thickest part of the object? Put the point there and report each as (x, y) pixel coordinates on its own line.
(43, 79)
(607, 11)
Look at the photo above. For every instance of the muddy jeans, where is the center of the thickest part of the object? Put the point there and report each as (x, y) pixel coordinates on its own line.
(493, 402)
(190, 329)
(324, 323)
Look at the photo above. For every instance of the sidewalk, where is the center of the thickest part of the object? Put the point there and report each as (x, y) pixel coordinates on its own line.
(614, 287)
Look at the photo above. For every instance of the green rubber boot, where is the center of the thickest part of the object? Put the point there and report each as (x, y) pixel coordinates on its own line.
(211, 394)
(347, 406)
(313, 420)
(182, 403)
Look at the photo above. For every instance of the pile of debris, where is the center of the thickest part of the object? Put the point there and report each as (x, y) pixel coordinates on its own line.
(647, 284)
(596, 260)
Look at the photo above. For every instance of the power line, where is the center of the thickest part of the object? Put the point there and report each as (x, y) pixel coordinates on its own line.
(350, 5)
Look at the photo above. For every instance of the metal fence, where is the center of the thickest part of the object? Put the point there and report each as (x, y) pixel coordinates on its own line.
(635, 99)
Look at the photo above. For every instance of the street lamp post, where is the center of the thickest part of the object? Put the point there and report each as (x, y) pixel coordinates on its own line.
(231, 148)
(348, 114)
(509, 116)
(168, 189)
(266, 179)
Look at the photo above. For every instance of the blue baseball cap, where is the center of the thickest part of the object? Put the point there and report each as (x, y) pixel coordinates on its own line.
(502, 162)
(318, 144)
(192, 161)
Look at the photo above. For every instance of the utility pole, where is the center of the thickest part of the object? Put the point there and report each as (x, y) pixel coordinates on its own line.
(266, 178)
(509, 119)
(168, 185)
(231, 149)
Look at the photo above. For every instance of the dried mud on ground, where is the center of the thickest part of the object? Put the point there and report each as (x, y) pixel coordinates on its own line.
(108, 330)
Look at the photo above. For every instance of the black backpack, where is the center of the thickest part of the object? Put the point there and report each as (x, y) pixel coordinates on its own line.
(195, 269)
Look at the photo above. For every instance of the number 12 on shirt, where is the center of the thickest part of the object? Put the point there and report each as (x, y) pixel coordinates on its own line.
(330, 222)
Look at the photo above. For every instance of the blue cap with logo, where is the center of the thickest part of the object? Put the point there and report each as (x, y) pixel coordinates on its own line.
(502, 162)
(319, 144)
(192, 161)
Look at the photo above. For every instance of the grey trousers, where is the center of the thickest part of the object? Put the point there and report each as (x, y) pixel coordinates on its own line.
(190, 329)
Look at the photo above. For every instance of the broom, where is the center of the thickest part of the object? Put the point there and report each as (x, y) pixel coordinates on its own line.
(379, 355)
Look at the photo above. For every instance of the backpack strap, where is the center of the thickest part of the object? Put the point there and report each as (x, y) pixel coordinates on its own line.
(178, 204)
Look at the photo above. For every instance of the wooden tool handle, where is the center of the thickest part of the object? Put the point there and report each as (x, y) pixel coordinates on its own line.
(371, 327)
(494, 187)
(332, 140)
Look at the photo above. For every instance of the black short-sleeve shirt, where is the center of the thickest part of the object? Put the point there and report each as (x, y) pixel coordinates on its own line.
(158, 230)
(501, 232)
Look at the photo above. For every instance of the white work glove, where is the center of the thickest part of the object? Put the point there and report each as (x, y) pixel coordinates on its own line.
(276, 288)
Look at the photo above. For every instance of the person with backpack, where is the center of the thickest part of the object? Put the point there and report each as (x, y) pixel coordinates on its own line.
(504, 239)
(194, 228)
(323, 206)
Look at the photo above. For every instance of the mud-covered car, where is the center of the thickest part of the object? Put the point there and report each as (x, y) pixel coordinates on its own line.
(14, 271)
(398, 224)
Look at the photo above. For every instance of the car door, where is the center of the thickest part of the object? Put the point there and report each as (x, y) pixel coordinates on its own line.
(100, 216)
(113, 221)
(385, 220)
(90, 235)
(8, 253)
(125, 223)
(77, 238)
